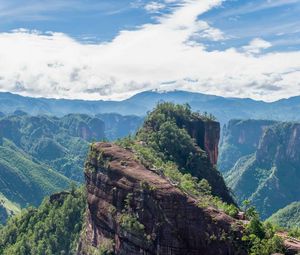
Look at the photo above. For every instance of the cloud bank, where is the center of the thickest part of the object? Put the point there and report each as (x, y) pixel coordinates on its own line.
(166, 55)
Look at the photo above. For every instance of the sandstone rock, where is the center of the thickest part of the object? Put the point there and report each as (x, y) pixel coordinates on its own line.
(133, 210)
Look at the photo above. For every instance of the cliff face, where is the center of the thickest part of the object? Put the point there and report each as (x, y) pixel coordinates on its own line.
(270, 176)
(206, 134)
(211, 140)
(132, 210)
(240, 138)
(280, 144)
(118, 126)
(84, 126)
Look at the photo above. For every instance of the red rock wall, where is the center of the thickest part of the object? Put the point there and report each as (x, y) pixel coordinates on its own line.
(211, 140)
(173, 223)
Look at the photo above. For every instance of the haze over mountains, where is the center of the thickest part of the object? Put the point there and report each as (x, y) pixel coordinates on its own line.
(223, 108)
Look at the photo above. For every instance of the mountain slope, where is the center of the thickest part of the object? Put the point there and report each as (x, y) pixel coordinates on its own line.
(40, 155)
(270, 175)
(160, 193)
(240, 138)
(118, 126)
(287, 217)
(52, 228)
(23, 181)
(60, 143)
(188, 139)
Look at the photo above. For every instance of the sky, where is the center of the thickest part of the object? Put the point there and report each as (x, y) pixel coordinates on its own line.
(112, 49)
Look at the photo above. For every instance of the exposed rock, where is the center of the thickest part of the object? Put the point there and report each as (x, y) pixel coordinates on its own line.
(269, 176)
(200, 156)
(240, 138)
(211, 140)
(58, 197)
(292, 244)
(132, 210)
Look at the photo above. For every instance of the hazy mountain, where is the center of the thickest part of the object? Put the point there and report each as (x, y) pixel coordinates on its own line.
(265, 163)
(223, 108)
(118, 126)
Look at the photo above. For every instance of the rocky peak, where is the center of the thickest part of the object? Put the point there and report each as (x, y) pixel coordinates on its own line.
(133, 210)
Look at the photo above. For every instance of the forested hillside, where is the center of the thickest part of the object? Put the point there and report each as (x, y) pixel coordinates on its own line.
(40, 155)
(288, 217)
(264, 165)
(53, 228)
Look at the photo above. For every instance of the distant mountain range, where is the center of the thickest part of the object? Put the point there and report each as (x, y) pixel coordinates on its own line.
(223, 108)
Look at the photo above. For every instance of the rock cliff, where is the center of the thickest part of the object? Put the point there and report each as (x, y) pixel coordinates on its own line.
(270, 175)
(240, 138)
(133, 210)
(206, 135)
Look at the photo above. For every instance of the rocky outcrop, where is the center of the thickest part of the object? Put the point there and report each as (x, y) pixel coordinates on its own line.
(206, 134)
(133, 210)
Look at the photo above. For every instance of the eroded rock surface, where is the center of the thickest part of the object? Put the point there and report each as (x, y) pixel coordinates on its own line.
(133, 210)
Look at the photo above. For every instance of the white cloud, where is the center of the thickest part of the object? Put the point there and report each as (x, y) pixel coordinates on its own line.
(154, 6)
(205, 31)
(152, 56)
(256, 46)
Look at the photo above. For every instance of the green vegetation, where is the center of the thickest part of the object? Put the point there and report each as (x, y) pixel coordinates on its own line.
(130, 222)
(40, 155)
(288, 217)
(7, 208)
(264, 156)
(261, 238)
(294, 232)
(25, 181)
(53, 228)
(164, 144)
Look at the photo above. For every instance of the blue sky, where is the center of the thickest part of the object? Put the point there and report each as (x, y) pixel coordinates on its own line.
(94, 21)
(99, 20)
(231, 47)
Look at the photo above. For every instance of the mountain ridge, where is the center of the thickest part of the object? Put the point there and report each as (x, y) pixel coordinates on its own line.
(222, 107)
